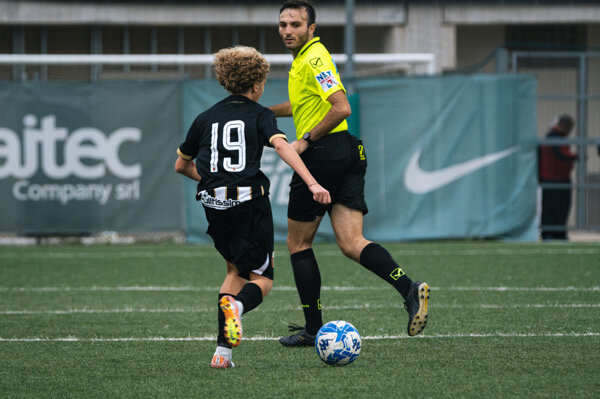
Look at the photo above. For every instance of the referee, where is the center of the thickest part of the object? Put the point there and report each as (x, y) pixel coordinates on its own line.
(319, 107)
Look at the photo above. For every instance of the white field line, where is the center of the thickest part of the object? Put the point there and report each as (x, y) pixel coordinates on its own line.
(290, 308)
(189, 288)
(267, 338)
(54, 254)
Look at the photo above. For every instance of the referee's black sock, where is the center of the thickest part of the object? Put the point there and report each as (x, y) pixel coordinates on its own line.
(250, 296)
(378, 260)
(308, 282)
(221, 341)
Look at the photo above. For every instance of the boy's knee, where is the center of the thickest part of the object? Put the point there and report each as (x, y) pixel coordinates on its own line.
(265, 283)
(268, 283)
(231, 268)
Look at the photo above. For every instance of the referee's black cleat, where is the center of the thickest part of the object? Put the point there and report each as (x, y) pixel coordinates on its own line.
(416, 306)
(301, 338)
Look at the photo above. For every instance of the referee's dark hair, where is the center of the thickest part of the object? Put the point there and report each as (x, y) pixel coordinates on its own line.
(299, 4)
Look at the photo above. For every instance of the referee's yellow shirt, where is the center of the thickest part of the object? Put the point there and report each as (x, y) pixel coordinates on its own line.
(313, 78)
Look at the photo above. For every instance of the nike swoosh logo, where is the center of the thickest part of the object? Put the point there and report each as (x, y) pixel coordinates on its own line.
(419, 181)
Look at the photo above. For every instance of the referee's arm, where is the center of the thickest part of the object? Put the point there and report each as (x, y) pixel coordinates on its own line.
(283, 109)
(340, 110)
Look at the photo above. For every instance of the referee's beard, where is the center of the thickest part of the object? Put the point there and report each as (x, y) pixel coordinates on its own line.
(297, 44)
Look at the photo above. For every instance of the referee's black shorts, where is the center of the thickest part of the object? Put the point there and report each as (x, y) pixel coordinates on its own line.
(243, 235)
(338, 162)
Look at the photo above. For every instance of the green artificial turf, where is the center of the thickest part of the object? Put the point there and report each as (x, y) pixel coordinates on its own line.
(506, 320)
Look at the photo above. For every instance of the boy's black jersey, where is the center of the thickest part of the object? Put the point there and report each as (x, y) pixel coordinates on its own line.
(227, 142)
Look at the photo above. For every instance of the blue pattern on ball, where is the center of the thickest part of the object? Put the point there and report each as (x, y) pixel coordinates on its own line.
(344, 339)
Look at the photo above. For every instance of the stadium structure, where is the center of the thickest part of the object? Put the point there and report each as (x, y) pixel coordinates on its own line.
(556, 42)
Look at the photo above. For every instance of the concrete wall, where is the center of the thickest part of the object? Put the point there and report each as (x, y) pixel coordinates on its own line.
(504, 14)
(76, 13)
(425, 32)
(475, 42)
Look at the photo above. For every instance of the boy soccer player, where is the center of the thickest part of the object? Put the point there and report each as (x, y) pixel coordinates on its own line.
(318, 104)
(226, 142)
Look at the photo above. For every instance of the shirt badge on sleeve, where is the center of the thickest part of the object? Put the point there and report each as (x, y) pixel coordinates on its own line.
(316, 62)
(326, 79)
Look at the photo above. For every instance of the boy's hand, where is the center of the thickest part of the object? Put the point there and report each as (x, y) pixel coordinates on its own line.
(319, 193)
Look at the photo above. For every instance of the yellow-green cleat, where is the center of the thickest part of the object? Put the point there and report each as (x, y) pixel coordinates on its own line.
(416, 306)
(233, 321)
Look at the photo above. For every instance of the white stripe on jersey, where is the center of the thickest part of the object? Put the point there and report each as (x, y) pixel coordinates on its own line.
(244, 193)
(221, 193)
(220, 200)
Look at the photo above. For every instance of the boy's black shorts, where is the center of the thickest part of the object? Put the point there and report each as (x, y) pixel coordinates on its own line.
(243, 235)
(338, 162)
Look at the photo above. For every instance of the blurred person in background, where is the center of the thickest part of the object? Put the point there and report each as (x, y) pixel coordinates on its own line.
(555, 166)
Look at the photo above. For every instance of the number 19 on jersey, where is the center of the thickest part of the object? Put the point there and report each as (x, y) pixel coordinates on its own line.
(230, 144)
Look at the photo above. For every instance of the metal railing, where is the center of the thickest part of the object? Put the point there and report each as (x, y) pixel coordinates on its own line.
(428, 60)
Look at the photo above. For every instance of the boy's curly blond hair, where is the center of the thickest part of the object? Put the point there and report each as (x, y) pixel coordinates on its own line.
(239, 68)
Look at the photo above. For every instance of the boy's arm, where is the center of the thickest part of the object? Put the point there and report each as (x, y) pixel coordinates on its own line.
(287, 153)
(283, 109)
(187, 168)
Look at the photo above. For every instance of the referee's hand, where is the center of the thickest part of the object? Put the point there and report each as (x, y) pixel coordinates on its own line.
(320, 194)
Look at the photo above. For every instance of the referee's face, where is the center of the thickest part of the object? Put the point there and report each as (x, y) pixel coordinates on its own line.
(294, 29)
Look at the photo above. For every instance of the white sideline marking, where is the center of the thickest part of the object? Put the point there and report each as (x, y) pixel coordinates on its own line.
(282, 288)
(501, 289)
(289, 308)
(398, 252)
(117, 288)
(266, 338)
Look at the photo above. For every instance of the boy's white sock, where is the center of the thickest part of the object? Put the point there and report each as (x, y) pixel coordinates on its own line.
(240, 307)
(225, 352)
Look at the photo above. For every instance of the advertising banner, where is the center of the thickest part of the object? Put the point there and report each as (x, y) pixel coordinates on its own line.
(78, 158)
(450, 157)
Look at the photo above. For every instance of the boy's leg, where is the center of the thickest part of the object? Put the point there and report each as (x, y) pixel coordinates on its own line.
(253, 292)
(231, 308)
(249, 297)
(233, 282)
(347, 224)
(264, 283)
(251, 249)
(231, 286)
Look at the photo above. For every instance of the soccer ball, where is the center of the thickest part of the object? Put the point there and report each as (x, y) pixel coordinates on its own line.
(338, 343)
